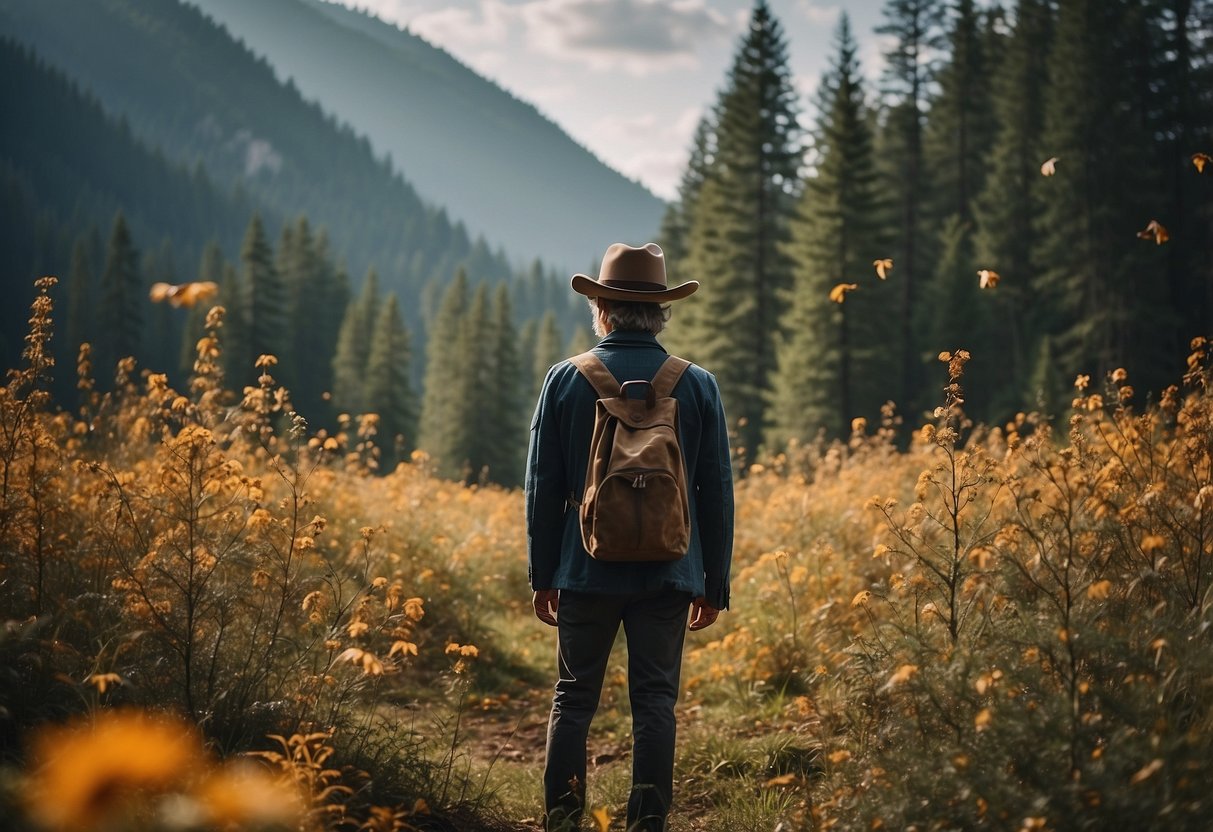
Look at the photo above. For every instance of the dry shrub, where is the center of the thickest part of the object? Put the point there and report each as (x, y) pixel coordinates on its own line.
(1014, 633)
(200, 553)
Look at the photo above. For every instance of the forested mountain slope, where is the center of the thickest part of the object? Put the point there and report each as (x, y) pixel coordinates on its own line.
(66, 166)
(492, 160)
(187, 88)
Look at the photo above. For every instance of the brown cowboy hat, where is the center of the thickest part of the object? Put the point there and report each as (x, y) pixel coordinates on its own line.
(635, 274)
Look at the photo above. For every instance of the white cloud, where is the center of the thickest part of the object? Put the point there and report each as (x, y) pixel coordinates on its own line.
(639, 37)
(487, 25)
(650, 147)
(819, 15)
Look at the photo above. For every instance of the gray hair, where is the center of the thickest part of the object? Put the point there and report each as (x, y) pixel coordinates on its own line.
(632, 316)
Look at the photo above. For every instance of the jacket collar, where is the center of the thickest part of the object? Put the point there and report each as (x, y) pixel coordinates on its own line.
(630, 338)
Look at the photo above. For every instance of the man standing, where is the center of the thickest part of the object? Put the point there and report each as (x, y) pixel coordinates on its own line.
(587, 598)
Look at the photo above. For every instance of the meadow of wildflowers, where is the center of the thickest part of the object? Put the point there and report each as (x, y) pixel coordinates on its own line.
(217, 617)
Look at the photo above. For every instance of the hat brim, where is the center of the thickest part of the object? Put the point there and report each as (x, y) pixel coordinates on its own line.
(591, 288)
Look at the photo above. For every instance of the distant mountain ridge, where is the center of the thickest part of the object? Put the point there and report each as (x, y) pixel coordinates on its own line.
(191, 92)
(492, 160)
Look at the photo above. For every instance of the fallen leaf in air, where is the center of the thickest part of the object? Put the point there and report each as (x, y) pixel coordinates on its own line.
(183, 294)
(988, 278)
(1156, 231)
(883, 267)
(1049, 167)
(839, 293)
(1200, 160)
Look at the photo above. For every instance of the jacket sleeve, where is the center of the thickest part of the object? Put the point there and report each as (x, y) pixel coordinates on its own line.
(546, 492)
(714, 487)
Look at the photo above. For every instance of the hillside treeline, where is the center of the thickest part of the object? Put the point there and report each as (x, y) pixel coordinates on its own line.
(344, 356)
(1052, 146)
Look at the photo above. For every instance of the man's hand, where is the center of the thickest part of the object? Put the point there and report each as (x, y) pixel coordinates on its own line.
(702, 615)
(546, 603)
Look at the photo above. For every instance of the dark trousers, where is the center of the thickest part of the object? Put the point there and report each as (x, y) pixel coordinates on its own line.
(655, 626)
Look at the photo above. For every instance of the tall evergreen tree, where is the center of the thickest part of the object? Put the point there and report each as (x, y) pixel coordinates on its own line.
(335, 298)
(353, 348)
(745, 205)
(509, 425)
(956, 317)
(528, 334)
(676, 222)
(675, 238)
(264, 297)
(471, 452)
(1096, 278)
(388, 391)
(237, 357)
(442, 426)
(916, 28)
(162, 330)
(1007, 206)
(548, 351)
(81, 293)
(305, 275)
(1183, 121)
(830, 366)
(120, 315)
(210, 269)
(961, 126)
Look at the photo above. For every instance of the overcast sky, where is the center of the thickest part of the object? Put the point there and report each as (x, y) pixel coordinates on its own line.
(629, 79)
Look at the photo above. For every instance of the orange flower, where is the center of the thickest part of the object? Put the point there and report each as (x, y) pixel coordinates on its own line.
(90, 776)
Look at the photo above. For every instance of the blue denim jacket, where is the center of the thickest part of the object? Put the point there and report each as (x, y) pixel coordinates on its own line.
(556, 465)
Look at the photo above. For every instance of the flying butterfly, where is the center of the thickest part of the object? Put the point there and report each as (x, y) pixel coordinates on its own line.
(1155, 231)
(839, 293)
(1049, 167)
(184, 294)
(988, 278)
(1200, 160)
(883, 267)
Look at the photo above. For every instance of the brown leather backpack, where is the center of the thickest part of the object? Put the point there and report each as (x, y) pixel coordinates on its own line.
(634, 507)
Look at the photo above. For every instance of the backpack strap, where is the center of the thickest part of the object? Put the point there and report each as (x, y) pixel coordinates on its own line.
(667, 377)
(597, 374)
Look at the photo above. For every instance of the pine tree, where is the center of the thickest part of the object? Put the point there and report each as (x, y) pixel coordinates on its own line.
(916, 27)
(548, 351)
(961, 126)
(830, 367)
(739, 229)
(210, 268)
(528, 335)
(1183, 121)
(442, 431)
(335, 299)
(676, 222)
(470, 453)
(81, 290)
(265, 299)
(955, 317)
(1095, 278)
(680, 235)
(388, 392)
(234, 338)
(353, 349)
(120, 318)
(581, 340)
(161, 333)
(1006, 207)
(509, 430)
(305, 274)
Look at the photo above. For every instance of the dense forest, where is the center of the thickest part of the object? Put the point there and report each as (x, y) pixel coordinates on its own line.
(256, 571)
(1025, 183)
(490, 159)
